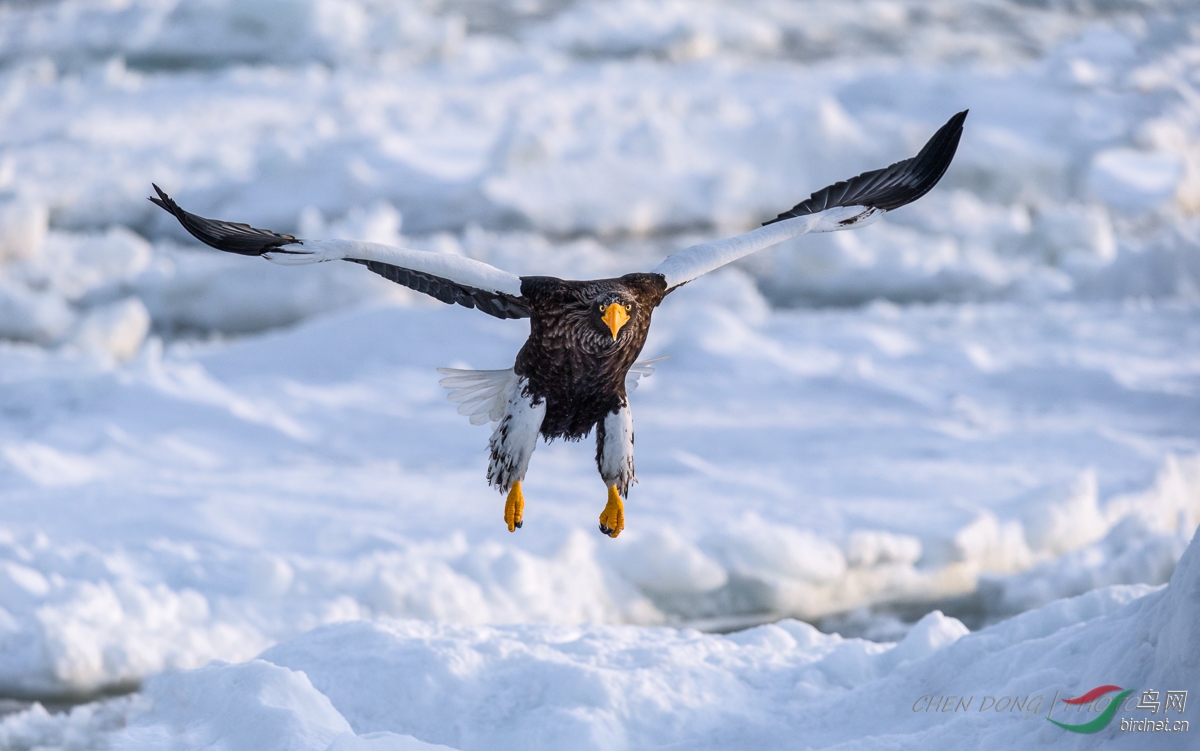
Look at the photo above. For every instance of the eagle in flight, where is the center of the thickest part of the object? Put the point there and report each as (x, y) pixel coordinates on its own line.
(584, 336)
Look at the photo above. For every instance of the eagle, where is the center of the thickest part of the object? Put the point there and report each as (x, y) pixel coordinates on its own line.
(570, 376)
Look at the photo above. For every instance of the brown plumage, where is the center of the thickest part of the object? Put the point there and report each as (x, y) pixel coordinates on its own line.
(571, 359)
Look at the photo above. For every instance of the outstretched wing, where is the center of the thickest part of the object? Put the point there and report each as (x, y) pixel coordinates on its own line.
(891, 187)
(451, 279)
(847, 204)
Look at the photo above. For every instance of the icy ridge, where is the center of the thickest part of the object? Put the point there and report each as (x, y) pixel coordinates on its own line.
(403, 684)
(79, 618)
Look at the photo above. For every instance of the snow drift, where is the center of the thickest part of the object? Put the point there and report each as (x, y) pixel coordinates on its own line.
(405, 685)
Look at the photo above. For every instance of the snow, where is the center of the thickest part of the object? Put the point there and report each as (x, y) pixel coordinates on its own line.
(208, 500)
(1132, 179)
(406, 684)
(979, 406)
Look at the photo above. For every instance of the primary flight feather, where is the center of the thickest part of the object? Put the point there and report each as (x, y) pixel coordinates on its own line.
(576, 368)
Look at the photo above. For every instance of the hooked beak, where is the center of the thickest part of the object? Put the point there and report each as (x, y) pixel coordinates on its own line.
(616, 317)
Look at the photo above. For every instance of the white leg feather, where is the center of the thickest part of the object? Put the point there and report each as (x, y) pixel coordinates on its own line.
(515, 438)
(614, 450)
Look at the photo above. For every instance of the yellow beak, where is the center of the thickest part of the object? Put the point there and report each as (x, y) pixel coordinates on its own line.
(616, 317)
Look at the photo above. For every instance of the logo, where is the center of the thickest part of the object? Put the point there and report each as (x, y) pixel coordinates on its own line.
(1107, 707)
(1105, 717)
(1092, 711)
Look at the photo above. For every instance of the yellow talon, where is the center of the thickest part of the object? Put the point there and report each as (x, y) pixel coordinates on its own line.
(612, 518)
(514, 508)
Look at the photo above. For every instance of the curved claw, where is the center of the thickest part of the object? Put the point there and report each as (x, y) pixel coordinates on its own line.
(612, 518)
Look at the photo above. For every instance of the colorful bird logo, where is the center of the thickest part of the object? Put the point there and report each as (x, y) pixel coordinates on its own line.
(1104, 718)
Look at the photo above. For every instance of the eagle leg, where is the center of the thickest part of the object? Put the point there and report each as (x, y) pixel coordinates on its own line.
(511, 445)
(514, 507)
(614, 459)
(612, 518)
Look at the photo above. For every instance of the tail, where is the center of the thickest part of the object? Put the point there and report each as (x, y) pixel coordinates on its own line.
(481, 395)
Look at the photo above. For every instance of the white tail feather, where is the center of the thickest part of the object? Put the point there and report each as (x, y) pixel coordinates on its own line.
(642, 369)
(480, 394)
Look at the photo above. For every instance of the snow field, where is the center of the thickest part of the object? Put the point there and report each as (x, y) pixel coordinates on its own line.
(407, 684)
(207, 500)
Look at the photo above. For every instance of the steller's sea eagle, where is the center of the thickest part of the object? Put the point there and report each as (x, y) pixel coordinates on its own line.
(584, 336)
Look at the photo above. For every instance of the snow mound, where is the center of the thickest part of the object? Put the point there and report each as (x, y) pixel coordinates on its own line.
(253, 705)
(404, 684)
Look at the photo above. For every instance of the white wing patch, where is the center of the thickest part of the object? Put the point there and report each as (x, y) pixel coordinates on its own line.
(638, 370)
(458, 269)
(479, 394)
(689, 263)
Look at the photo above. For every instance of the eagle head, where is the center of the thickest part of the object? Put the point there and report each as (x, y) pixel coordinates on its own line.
(611, 311)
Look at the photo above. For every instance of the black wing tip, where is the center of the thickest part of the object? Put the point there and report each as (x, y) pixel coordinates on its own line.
(167, 204)
(163, 201)
(925, 169)
(951, 131)
(952, 127)
(231, 237)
